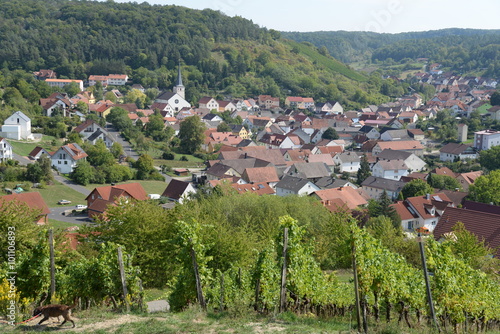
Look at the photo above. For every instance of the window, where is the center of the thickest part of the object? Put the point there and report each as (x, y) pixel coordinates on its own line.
(58, 162)
(65, 162)
(410, 225)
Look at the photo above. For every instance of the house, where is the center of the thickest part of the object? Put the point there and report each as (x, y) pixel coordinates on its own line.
(347, 162)
(66, 157)
(375, 186)
(56, 102)
(261, 174)
(240, 131)
(390, 169)
(5, 150)
(17, 126)
(60, 83)
(454, 152)
(391, 135)
(328, 182)
(111, 79)
(336, 198)
(268, 102)
(416, 134)
(209, 103)
(411, 146)
(466, 179)
(37, 153)
(33, 200)
(486, 139)
(290, 185)
(45, 74)
(272, 140)
(91, 132)
(297, 102)
(422, 211)
(324, 158)
(370, 132)
(178, 190)
(414, 163)
(308, 170)
(101, 197)
(484, 225)
(259, 188)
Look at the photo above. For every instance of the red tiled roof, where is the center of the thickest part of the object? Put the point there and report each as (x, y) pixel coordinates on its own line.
(135, 190)
(347, 194)
(33, 199)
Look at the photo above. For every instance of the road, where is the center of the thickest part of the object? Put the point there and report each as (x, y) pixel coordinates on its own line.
(57, 214)
(127, 147)
(71, 184)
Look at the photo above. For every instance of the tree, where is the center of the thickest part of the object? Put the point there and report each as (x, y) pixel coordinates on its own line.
(116, 149)
(495, 99)
(443, 182)
(486, 188)
(145, 166)
(330, 133)
(83, 173)
(46, 164)
(191, 134)
(34, 172)
(223, 127)
(416, 188)
(98, 154)
(364, 170)
(490, 159)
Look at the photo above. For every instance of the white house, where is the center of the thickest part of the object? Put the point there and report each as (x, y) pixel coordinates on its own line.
(486, 139)
(17, 126)
(390, 169)
(209, 103)
(414, 163)
(60, 83)
(347, 162)
(91, 131)
(290, 185)
(5, 150)
(170, 103)
(178, 191)
(375, 186)
(454, 152)
(391, 135)
(66, 157)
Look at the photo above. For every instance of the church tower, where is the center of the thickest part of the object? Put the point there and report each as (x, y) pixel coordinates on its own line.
(179, 87)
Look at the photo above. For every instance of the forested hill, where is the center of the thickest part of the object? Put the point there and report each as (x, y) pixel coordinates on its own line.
(460, 49)
(221, 55)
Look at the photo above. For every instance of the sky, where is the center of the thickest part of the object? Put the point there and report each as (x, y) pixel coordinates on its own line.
(383, 16)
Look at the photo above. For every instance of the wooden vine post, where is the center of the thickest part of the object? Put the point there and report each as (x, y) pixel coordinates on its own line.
(283, 272)
(427, 284)
(52, 265)
(199, 290)
(356, 284)
(122, 275)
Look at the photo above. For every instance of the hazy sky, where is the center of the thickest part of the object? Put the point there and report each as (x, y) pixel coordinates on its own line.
(389, 16)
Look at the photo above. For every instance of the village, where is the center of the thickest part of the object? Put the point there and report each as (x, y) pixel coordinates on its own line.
(344, 158)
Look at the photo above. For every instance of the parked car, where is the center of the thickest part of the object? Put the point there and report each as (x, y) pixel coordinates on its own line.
(81, 207)
(64, 201)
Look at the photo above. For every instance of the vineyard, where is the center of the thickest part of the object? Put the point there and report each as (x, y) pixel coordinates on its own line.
(283, 275)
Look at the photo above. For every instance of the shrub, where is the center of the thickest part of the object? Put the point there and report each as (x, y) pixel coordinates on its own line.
(183, 158)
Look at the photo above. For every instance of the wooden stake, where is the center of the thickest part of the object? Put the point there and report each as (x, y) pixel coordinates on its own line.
(283, 272)
(122, 275)
(199, 290)
(356, 286)
(52, 266)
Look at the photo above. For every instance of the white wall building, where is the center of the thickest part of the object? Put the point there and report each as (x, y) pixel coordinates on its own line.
(17, 126)
(5, 150)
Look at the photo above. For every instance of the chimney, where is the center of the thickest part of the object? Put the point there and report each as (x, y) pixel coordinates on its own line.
(427, 196)
(245, 155)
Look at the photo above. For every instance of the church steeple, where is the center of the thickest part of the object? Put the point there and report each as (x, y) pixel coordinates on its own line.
(179, 87)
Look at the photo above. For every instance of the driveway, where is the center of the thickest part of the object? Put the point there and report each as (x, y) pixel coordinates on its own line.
(71, 184)
(57, 214)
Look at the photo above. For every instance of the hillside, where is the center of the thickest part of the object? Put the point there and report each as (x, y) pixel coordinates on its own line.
(221, 56)
(465, 50)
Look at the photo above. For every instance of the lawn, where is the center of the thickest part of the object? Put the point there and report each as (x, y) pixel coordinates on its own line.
(23, 148)
(484, 108)
(151, 187)
(56, 224)
(52, 194)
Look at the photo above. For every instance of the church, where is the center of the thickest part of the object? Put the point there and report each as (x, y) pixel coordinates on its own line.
(170, 103)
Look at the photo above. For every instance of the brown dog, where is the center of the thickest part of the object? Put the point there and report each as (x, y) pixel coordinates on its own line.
(56, 310)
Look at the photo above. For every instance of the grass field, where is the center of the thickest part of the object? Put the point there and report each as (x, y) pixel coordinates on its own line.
(23, 148)
(56, 224)
(52, 194)
(151, 187)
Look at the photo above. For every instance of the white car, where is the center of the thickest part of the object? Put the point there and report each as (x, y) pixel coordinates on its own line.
(81, 207)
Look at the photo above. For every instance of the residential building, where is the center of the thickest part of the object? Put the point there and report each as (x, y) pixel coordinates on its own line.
(111, 79)
(60, 83)
(290, 185)
(414, 163)
(66, 157)
(312, 171)
(422, 211)
(37, 153)
(375, 186)
(209, 103)
(45, 74)
(390, 169)
(411, 146)
(454, 152)
(338, 198)
(178, 191)
(101, 197)
(5, 150)
(486, 139)
(268, 102)
(92, 132)
(348, 162)
(33, 200)
(17, 126)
